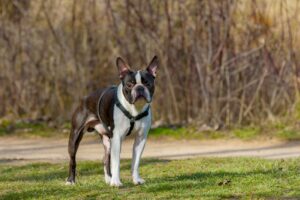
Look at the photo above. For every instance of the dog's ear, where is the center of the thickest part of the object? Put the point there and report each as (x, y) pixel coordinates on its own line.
(152, 67)
(123, 67)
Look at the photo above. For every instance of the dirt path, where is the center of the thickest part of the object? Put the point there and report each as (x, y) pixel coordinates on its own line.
(19, 150)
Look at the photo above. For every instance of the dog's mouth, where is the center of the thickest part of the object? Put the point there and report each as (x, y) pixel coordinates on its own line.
(141, 98)
(140, 102)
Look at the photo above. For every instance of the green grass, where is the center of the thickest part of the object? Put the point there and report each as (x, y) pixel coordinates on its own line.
(32, 129)
(246, 132)
(280, 131)
(285, 131)
(204, 178)
(186, 133)
(288, 134)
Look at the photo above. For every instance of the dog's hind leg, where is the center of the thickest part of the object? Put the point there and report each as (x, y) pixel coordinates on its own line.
(77, 130)
(95, 124)
(106, 143)
(106, 158)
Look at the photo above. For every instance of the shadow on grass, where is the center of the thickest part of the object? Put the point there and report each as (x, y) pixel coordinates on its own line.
(185, 185)
(29, 194)
(201, 179)
(42, 172)
(144, 162)
(47, 172)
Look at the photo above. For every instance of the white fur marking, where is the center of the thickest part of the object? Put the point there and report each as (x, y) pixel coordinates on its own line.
(138, 148)
(70, 183)
(107, 178)
(129, 107)
(106, 142)
(90, 118)
(138, 78)
(100, 129)
(115, 160)
(122, 125)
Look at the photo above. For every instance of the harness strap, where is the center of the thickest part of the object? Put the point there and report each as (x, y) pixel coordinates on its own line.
(130, 117)
(121, 107)
(99, 104)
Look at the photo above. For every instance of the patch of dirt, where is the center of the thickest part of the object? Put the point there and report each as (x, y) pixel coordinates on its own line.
(14, 150)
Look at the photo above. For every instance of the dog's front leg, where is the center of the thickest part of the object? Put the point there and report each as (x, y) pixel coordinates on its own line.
(115, 160)
(138, 148)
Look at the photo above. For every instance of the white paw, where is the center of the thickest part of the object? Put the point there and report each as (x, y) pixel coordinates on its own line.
(115, 182)
(70, 183)
(107, 179)
(138, 181)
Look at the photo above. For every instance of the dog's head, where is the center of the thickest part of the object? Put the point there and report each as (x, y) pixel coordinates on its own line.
(137, 85)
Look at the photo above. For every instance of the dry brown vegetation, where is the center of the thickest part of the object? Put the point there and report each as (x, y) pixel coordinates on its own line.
(222, 62)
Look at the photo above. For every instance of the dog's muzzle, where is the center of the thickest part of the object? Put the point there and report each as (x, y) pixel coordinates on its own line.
(140, 92)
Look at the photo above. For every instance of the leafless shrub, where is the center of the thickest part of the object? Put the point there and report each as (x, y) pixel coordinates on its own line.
(224, 62)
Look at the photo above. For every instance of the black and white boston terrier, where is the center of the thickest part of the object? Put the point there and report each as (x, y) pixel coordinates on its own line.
(115, 112)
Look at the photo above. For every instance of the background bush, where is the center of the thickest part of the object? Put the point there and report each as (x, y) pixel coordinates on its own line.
(222, 62)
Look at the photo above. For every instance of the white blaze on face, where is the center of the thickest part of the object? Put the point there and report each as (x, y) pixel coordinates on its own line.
(138, 78)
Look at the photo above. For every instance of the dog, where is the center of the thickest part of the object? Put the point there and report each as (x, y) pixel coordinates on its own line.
(115, 112)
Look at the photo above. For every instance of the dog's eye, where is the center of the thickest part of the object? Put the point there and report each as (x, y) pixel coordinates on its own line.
(147, 83)
(129, 84)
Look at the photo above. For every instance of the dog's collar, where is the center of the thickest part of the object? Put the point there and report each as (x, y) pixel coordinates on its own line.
(129, 116)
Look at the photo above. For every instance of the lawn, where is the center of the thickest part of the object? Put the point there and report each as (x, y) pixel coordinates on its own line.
(283, 130)
(277, 130)
(202, 178)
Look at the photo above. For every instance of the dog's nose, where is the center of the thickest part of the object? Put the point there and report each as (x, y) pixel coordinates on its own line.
(140, 89)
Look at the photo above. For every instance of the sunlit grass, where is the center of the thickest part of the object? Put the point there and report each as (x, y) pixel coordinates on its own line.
(205, 178)
(276, 130)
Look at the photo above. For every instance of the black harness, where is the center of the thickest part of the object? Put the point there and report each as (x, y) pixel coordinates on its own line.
(124, 111)
(130, 117)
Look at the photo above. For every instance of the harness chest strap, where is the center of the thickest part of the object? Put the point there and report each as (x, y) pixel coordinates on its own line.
(130, 117)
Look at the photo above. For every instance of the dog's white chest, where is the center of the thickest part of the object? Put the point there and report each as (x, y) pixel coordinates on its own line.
(122, 123)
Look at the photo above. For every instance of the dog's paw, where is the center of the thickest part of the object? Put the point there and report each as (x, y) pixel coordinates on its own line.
(115, 182)
(70, 183)
(138, 181)
(107, 179)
